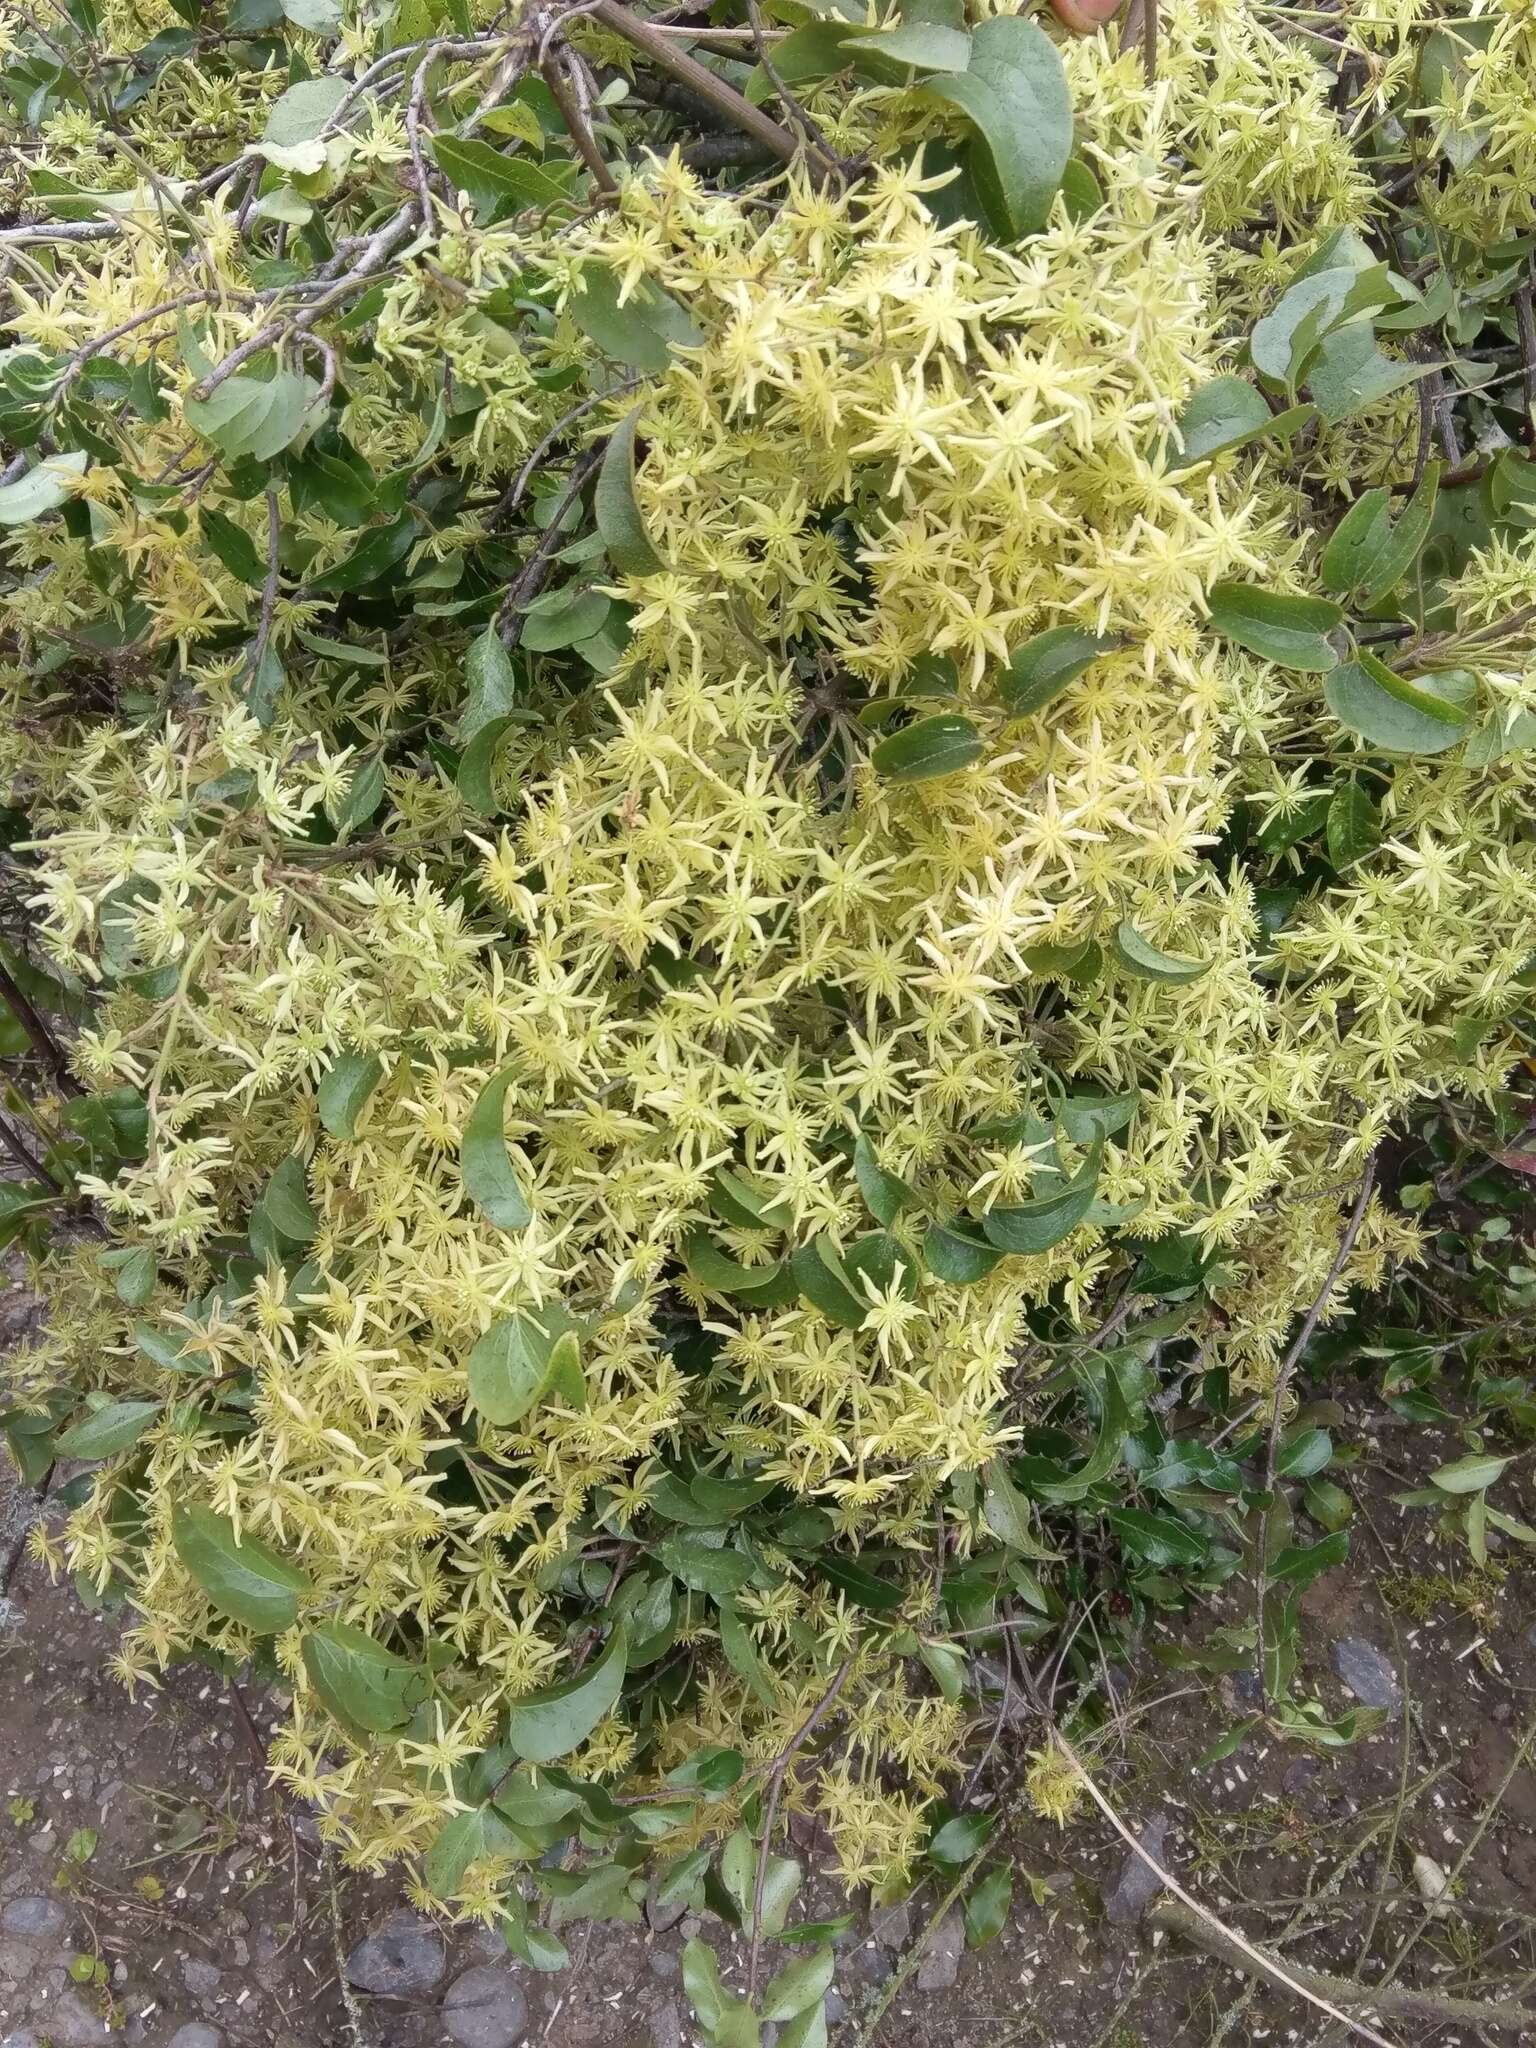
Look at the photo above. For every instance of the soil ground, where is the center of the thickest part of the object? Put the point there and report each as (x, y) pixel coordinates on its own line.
(140, 1844)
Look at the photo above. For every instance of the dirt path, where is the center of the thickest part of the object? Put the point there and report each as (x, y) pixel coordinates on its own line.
(152, 1889)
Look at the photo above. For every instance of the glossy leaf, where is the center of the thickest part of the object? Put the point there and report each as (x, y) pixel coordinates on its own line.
(1014, 93)
(518, 1360)
(364, 1685)
(1468, 1475)
(552, 1722)
(1044, 666)
(959, 1256)
(940, 745)
(1425, 716)
(613, 502)
(642, 332)
(885, 1193)
(245, 1579)
(1138, 957)
(1289, 631)
(987, 1904)
(464, 1839)
(484, 1162)
(344, 1089)
(1226, 414)
(798, 1985)
(1354, 825)
(106, 1431)
(286, 1202)
(42, 488)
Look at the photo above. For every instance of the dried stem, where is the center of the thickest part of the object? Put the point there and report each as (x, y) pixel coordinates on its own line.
(720, 95)
(44, 1044)
(1282, 1387)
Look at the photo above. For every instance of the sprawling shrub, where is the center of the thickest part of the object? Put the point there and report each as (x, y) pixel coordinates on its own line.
(733, 843)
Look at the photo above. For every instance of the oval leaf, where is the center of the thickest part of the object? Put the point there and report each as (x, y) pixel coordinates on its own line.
(559, 1718)
(1426, 716)
(1043, 667)
(941, 745)
(518, 1359)
(1468, 1475)
(363, 1684)
(106, 1431)
(344, 1090)
(484, 1161)
(243, 1578)
(1289, 631)
(1014, 93)
(1145, 962)
(618, 515)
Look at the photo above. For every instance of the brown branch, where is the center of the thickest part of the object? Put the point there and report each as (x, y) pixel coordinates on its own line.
(567, 87)
(705, 83)
(26, 1158)
(1282, 1386)
(803, 119)
(531, 579)
(1393, 2002)
(44, 1044)
(776, 1778)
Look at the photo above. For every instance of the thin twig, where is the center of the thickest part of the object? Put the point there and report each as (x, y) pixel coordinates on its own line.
(562, 74)
(44, 1044)
(719, 94)
(1282, 1387)
(776, 1778)
(354, 2011)
(1255, 1957)
(530, 581)
(1319, 1987)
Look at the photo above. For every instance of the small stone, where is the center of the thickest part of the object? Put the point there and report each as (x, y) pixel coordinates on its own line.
(68, 2021)
(1367, 1673)
(891, 1926)
(400, 1959)
(941, 1958)
(1138, 1885)
(663, 1915)
(873, 1963)
(835, 2007)
(18, 1958)
(197, 2034)
(662, 1963)
(485, 2008)
(22, 2038)
(692, 1926)
(666, 2027)
(1299, 1776)
(36, 1916)
(201, 1979)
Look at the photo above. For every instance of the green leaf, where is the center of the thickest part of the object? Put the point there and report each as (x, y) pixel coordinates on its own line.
(743, 1205)
(552, 1722)
(492, 684)
(1159, 1540)
(613, 502)
(476, 779)
(287, 1204)
(320, 17)
(701, 1981)
(363, 1684)
(820, 1276)
(1354, 825)
(497, 183)
(711, 1770)
(1299, 1565)
(705, 1567)
(251, 418)
(941, 745)
(914, 45)
(800, 1984)
(1425, 716)
(106, 1431)
(986, 1906)
(484, 1162)
(1229, 413)
(641, 333)
(243, 1578)
(1289, 631)
(518, 1361)
(1303, 1453)
(743, 1655)
(379, 550)
(1354, 547)
(1398, 549)
(1008, 1515)
(466, 1838)
(1468, 1475)
(858, 1585)
(304, 110)
(960, 1838)
(1349, 372)
(1043, 667)
(534, 1945)
(233, 546)
(1145, 962)
(947, 1664)
(886, 1194)
(136, 1276)
(344, 1089)
(958, 1256)
(765, 1286)
(360, 799)
(42, 488)
(1014, 93)
(561, 618)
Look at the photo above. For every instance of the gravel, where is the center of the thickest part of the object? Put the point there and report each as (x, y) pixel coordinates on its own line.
(1137, 1886)
(941, 1959)
(36, 1916)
